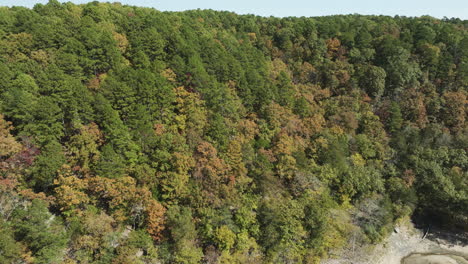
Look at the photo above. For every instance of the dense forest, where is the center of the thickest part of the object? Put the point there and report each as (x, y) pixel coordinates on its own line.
(130, 135)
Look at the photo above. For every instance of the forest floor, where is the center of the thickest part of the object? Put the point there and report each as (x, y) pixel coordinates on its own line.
(408, 245)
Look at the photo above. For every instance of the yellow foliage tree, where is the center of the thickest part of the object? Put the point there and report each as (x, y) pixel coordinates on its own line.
(8, 144)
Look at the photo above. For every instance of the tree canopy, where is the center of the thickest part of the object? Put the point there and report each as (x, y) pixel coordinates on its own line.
(130, 135)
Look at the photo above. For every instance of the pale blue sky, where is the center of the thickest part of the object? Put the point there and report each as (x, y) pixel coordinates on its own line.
(436, 8)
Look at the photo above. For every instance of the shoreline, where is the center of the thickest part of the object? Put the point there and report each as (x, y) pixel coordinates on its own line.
(445, 257)
(410, 243)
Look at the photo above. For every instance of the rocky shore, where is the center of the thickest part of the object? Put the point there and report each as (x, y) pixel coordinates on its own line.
(409, 245)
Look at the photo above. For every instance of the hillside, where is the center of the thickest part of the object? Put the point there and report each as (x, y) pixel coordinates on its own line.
(130, 135)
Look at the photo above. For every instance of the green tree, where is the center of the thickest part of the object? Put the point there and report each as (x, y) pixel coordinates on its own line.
(42, 232)
(10, 248)
(46, 166)
(184, 235)
(372, 80)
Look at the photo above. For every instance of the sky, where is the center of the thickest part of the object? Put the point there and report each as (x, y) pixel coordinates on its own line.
(282, 8)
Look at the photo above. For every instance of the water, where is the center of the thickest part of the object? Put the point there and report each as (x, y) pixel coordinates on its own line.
(435, 258)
